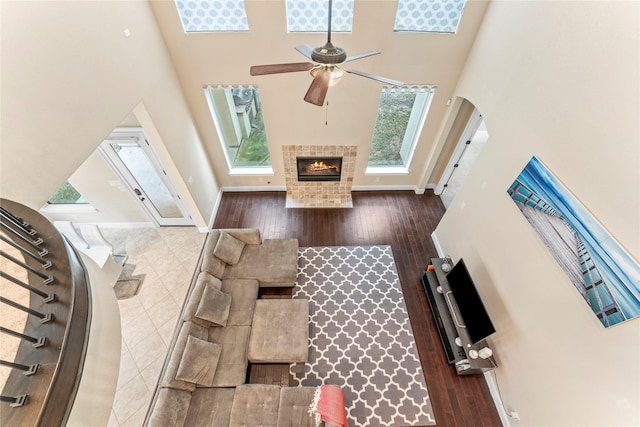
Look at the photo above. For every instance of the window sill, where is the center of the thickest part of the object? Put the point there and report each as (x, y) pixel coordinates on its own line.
(67, 208)
(386, 170)
(268, 170)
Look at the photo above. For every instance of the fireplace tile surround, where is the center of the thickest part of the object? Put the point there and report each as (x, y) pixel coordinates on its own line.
(319, 194)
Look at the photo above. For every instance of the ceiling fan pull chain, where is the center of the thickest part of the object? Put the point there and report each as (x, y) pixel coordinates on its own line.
(326, 115)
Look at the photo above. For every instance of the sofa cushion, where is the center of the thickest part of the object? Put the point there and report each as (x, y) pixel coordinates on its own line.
(255, 405)
(195, 296)
(229, 248)
(210, 407)
(274, 263)
(169, 377)
(244, 293)
(170, 409)
(293, 410)
(233, 362)
(199, 362)
(214, 306)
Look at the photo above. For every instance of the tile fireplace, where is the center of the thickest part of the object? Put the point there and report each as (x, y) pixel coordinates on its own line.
(326, 179)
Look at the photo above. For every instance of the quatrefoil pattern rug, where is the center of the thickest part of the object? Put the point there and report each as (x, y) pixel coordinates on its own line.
(360, 335)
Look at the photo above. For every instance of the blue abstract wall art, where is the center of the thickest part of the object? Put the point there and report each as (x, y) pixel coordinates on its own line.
(605, 274)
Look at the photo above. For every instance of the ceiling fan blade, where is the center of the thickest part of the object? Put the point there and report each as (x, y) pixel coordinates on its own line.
(305, 49)
(362, 55)
(319, 87)
(374, 77)
(258, 70)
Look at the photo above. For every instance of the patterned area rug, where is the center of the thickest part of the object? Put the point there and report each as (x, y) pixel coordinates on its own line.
(360, 335)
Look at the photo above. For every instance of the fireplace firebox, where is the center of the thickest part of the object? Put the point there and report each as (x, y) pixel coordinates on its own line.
(319, 168)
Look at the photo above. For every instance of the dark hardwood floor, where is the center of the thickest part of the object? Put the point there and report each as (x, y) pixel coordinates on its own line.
(403, 220)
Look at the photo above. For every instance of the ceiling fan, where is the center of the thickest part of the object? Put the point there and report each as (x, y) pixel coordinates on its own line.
(325, 69)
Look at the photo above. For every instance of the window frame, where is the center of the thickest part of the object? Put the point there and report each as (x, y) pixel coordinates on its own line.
(419, 10)
(415, 124)
(234, 170)
(188, 29)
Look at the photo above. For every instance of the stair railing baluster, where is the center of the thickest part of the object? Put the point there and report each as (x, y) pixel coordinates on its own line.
(47, 297)
(18, 222)
(27, 369)
(46, 264)
(33, 243)
(44, 318)
(47, 278)
(14, 401)
(36, 342)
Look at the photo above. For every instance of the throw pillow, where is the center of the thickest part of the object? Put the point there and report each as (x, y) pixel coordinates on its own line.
(228, 248)
(214, 306)
(195, 297)
(199, 361)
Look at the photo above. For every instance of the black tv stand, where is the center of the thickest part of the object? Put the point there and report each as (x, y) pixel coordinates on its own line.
(442, 304)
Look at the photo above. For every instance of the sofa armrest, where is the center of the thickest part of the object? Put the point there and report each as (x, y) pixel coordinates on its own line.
(251, 236)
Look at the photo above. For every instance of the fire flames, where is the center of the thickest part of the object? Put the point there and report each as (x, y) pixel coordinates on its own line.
(321, 166)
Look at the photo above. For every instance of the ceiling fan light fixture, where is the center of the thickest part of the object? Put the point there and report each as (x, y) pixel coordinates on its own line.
(336, 73)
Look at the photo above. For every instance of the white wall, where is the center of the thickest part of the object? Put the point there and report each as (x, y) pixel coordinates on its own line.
(70, 76)
(559, 80)
(106, 193)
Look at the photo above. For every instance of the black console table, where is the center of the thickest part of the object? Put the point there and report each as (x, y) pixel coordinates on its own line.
(442, 304)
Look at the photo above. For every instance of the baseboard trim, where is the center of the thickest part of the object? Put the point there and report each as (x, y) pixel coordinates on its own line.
(388, 188)
(497, 400)
(249, 189)
(413, 188)
(125, 224)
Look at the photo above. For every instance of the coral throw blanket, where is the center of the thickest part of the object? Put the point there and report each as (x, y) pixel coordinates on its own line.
(329, 406)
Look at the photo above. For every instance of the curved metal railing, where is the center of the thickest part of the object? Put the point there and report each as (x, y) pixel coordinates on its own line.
(45, 372)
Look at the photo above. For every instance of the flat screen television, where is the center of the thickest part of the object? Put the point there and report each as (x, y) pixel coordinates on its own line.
(474, 315)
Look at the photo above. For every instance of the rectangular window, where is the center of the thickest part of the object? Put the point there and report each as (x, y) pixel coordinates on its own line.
(401, 115)
(428, 16)
(313, 16)
(202, 16)
(237, 113)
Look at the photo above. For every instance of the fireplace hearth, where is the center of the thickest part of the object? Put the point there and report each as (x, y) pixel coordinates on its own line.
(319, 168)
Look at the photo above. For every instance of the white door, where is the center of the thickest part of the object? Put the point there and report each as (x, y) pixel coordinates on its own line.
(129, 153)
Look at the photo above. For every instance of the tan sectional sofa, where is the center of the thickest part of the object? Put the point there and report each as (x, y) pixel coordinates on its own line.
(202, 382)
(263, 405)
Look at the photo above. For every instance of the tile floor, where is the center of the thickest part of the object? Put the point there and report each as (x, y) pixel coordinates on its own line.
(167, 257)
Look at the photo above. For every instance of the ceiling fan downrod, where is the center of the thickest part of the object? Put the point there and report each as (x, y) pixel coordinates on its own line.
(329, 54)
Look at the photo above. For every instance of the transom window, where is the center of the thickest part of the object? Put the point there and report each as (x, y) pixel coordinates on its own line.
(199, 16)
(428, 16)
(67, 195)
(313, 15)
(237, 113)
(401, 115)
